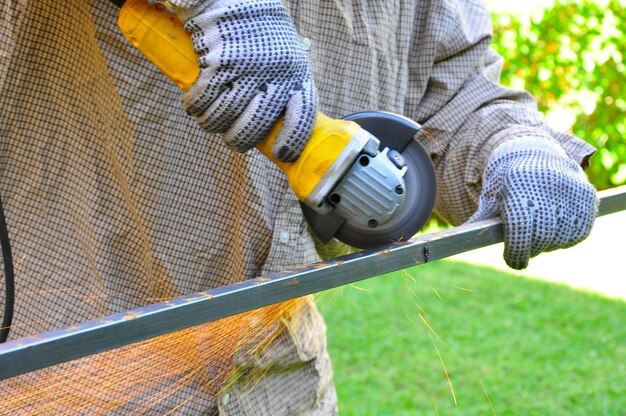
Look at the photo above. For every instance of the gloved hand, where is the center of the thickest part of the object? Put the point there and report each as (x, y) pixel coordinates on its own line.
(542, 195)
(253, 67)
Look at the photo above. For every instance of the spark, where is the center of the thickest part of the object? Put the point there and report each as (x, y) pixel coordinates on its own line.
(488, 399)
(167, 299)
(143, 377)
(435, 405)
(430, 333)
(354, 286)
(91, 298)
(444, 149)
(409, 276)
(410, 289)
(20, 261)
(430, 328)
(327, 297)
(461, 288)
(434, 290)
(429, 283)
(24, 324)
(44, 292)
(445, 370)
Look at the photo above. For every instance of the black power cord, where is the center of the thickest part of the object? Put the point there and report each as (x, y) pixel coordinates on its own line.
(9, 277)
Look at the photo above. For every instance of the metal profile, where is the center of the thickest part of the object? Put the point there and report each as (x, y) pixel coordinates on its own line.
(62, 345)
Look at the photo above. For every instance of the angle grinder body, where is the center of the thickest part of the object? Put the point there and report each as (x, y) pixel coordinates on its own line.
(362, 179)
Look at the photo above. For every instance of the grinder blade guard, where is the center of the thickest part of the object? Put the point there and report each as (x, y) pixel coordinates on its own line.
(372, 205)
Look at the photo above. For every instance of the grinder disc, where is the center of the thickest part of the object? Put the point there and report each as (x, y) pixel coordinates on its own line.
(397, 133)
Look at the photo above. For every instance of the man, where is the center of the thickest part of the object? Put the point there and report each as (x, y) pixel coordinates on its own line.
(113, 192)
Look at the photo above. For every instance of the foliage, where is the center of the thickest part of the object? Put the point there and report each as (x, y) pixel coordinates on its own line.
(571, 59)
(537, 348)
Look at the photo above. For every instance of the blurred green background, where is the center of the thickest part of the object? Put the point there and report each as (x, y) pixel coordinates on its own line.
(570, 56)
(449, 338)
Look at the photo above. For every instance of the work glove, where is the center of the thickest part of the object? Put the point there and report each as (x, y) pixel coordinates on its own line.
(543, 197)
(253, 68)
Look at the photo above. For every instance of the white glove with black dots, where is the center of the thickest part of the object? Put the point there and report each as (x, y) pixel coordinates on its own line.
(253, 69)
(542, 195)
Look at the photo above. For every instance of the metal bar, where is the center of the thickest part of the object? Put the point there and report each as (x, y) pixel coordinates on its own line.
(612, 200)
(62, 345)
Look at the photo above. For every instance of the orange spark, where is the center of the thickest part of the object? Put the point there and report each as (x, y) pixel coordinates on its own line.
(435, 405)
(162, 375)
(445, 370)
(488, 399)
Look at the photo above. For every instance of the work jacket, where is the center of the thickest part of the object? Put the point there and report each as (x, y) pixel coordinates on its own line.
(115, 198)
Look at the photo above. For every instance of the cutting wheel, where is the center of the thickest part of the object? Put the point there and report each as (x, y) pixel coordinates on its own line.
(397, 133)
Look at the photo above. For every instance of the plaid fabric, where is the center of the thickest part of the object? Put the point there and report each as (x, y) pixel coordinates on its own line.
(115, 198)
(429, 60)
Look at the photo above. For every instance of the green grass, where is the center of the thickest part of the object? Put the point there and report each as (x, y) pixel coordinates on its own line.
(538, 348)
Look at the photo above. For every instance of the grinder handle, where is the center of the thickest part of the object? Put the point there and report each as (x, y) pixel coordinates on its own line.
(160, 36)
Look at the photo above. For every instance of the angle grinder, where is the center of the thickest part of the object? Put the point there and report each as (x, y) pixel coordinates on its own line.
(362, 179)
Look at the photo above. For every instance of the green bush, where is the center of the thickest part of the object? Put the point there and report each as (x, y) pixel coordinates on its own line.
(570, 58)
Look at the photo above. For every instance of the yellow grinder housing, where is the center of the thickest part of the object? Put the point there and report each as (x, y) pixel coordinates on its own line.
(158, 33)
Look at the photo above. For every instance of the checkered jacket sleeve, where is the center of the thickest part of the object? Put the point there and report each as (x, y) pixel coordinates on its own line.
(465, 112)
